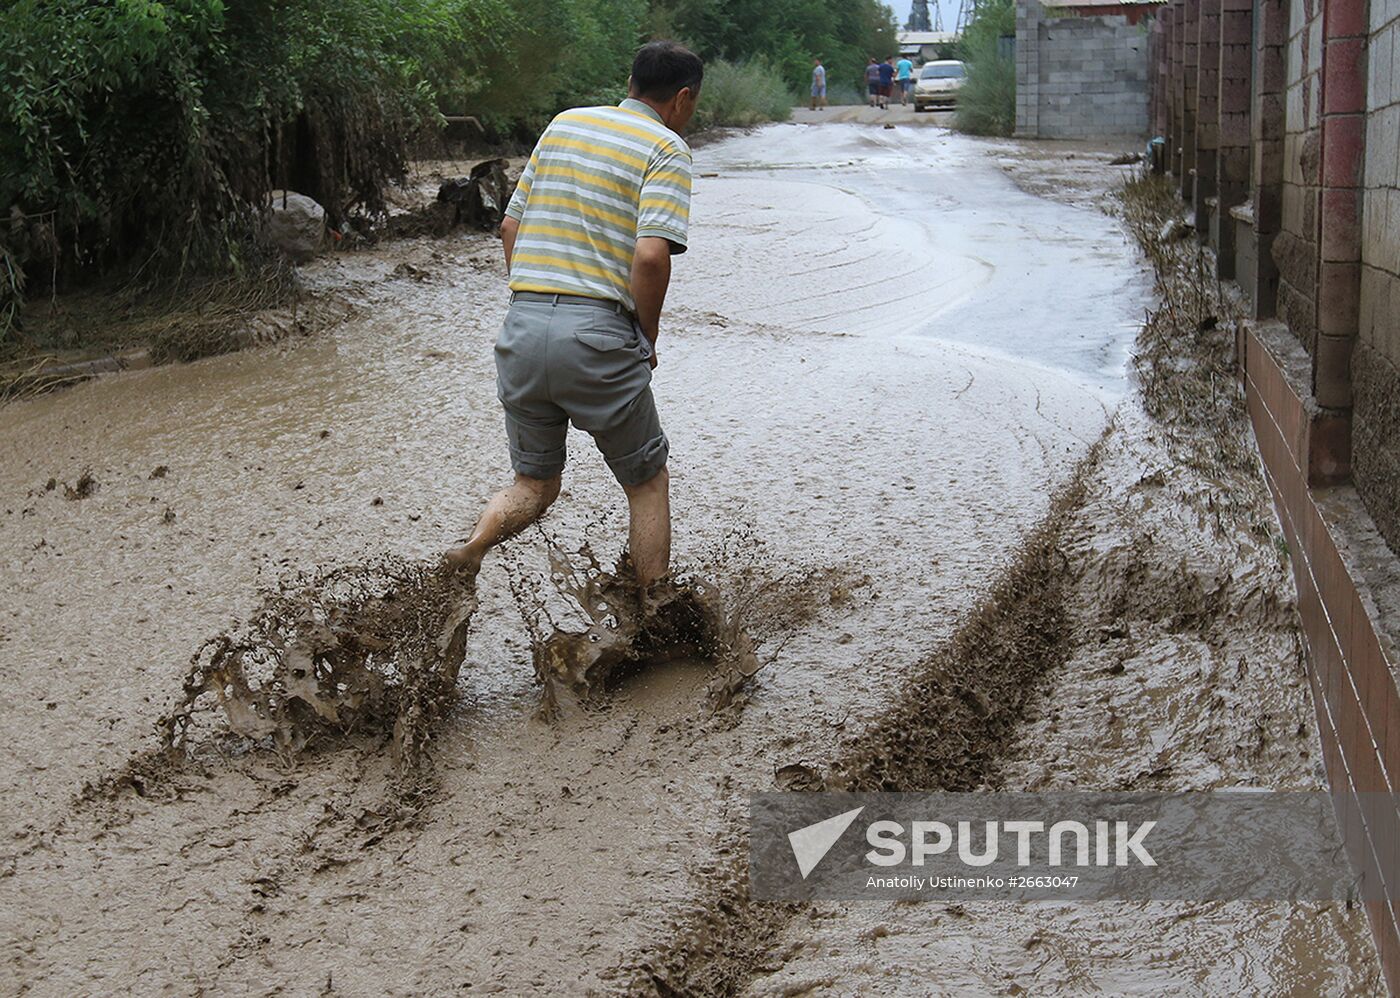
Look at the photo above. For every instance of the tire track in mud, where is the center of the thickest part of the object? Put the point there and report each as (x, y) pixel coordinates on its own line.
(952, 720)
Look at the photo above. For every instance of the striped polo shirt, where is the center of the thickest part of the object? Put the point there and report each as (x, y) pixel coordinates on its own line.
(599, 178)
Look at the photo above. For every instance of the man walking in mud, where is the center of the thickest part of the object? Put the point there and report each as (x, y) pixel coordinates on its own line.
(603, 204)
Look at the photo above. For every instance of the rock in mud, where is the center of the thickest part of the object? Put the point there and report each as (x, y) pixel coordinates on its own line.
(1174, 229)
(296, 225)
(481, 197)
(85, 486)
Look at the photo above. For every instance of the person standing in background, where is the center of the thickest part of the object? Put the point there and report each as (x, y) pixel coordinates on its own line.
(904, 78)
(818, 84)
(872, 82)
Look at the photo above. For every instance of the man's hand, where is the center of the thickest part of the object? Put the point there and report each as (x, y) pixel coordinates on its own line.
(651, 275)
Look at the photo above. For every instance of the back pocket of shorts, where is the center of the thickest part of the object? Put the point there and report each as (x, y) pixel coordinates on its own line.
(609, 332)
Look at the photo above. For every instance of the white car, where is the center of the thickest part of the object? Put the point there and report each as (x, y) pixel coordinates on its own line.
(938, 84)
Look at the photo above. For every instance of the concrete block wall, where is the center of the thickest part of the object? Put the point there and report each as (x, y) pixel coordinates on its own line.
(1208, 110)
(1190, 32)
(1079, 77)
(1266, 127)
(1028, 68)
(1375, 363)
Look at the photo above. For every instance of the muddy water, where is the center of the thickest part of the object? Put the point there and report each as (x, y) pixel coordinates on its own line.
(1185, 674)
(993, 280)
(861, 444)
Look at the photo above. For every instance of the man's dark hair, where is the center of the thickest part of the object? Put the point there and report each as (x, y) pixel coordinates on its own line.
(662, 69)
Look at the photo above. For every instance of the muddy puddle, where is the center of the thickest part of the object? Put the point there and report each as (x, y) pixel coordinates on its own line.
(864, 439)
(375, 650)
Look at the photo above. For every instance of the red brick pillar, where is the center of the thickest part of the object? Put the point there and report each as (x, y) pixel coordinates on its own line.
(1344, 28)
(1176, 44)
(1232, 158)
(1190, 65)
(1267, 130)
(1164, 80)
(1157, 63)
(1207, 113)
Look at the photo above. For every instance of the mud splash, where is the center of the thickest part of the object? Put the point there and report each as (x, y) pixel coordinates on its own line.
(374, 647)
(377, 648)
(684, 617)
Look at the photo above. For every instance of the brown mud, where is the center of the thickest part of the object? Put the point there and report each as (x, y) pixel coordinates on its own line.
(1145, 638)
(888, 472)
(946, 731)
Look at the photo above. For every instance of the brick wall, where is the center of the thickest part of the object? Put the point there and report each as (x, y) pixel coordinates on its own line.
(1319, 230)
(1079, 77)
(1376, 360)
(1295, 247)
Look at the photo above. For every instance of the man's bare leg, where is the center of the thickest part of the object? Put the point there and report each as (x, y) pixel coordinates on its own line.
(649, 535)
(510, 511)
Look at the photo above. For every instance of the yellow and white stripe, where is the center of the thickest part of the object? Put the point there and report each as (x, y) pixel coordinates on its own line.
(599, 178)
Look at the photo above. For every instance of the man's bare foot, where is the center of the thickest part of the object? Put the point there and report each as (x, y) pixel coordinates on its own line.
(464, 557)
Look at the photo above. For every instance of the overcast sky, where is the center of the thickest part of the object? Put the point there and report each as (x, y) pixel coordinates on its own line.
(950, 11)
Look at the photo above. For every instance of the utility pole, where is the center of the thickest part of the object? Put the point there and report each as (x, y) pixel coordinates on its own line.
(967, 13)
(918, 17)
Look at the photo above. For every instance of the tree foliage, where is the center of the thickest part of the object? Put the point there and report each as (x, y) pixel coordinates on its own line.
(987, 100)
(785, 34)
(144, 135)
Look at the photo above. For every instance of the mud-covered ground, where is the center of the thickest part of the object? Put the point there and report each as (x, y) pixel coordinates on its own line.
(881, 359)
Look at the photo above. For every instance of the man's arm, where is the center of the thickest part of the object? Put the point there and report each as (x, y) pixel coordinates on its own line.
(509, 227)
(651, 274)
(515, 210)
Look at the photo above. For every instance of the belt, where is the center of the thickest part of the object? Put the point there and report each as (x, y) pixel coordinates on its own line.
(611, 306)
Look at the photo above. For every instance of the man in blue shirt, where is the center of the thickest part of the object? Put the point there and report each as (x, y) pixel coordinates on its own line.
(886, 83)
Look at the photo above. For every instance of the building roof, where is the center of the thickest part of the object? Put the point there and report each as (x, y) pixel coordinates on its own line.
(1078, 4)
(926, 37)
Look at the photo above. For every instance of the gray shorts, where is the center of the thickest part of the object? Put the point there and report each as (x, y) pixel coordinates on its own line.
(570, 360)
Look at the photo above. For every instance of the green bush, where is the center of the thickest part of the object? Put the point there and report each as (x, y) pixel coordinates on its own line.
(139, 138)
(786, 34)
(742, 94)
(987, 100)
(142, 136)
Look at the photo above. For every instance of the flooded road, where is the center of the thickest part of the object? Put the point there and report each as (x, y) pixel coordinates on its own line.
(879, 358)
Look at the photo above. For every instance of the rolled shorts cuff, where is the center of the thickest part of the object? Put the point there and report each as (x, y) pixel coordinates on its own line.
(642, 464)
(532, 464)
